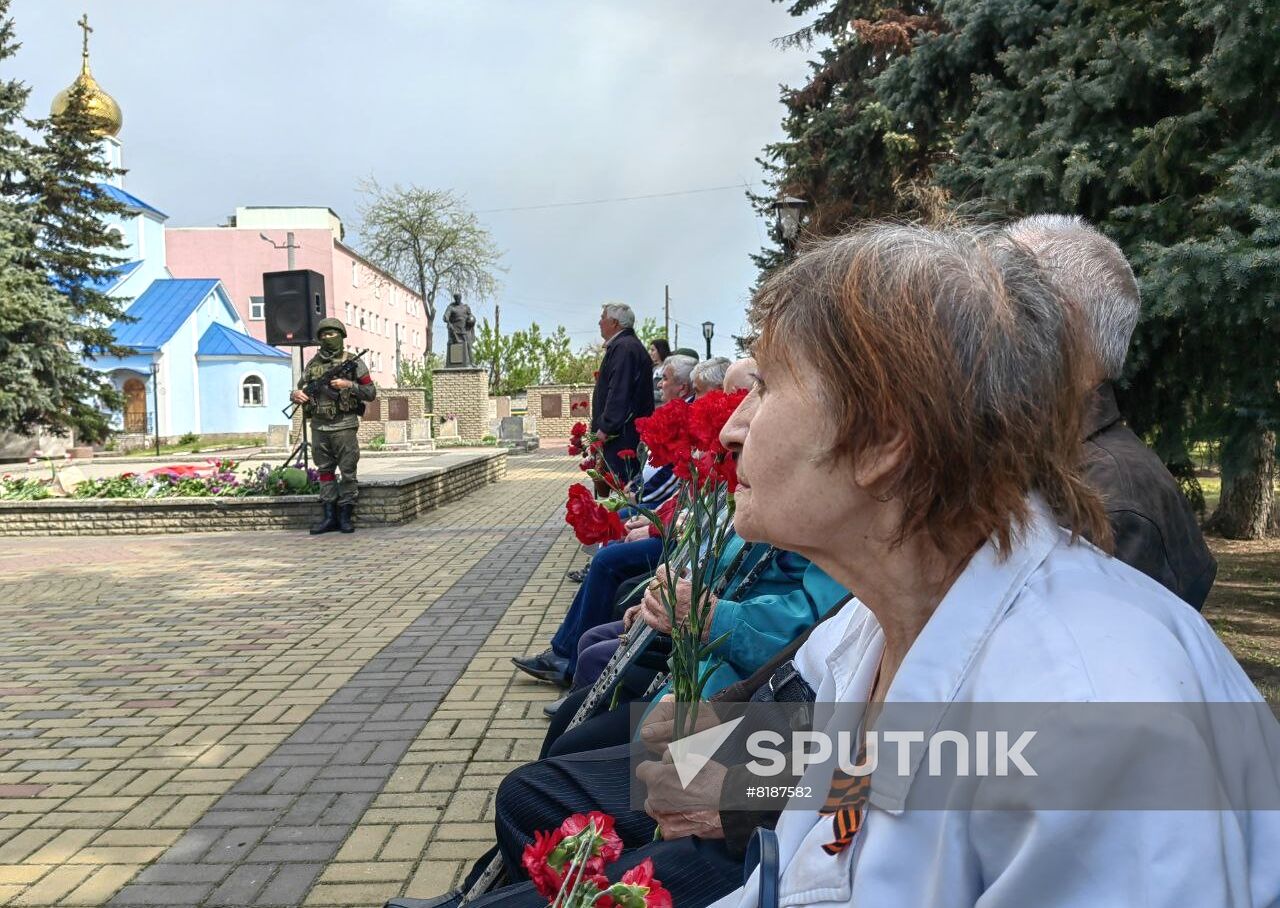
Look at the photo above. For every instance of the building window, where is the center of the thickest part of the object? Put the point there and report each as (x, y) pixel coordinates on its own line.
(355, 274)
(252, 392)
(255, 309)
(346, 309)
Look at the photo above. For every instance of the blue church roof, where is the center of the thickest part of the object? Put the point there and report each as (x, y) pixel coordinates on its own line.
(160, 311)
(115, 277)
(219, 340)
(128, 198)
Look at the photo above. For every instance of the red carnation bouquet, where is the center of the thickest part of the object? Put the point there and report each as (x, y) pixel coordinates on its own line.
(567, 866)
(686, 437)
(595, 521)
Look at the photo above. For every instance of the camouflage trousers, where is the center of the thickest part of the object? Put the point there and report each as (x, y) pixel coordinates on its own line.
(337, 450)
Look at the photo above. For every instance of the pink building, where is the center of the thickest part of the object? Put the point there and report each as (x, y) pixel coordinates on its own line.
(381, 314)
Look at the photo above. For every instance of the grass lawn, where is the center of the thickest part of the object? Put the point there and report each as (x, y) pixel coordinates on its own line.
(1244, 607)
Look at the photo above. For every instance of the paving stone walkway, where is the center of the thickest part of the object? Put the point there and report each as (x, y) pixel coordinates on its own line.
(271, 719)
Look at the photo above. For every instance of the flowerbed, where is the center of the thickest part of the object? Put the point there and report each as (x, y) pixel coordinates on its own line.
(217, 478)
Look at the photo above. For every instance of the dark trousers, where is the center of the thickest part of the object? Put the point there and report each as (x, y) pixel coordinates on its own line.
(539, 796)
(338, 450)
(697, 872)
(611, 567)
(595, 648)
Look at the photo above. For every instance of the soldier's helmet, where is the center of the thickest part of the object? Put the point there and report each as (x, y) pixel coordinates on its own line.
(331, 323)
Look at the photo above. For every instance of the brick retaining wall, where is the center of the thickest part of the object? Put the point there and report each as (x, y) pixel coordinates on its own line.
(382, 502)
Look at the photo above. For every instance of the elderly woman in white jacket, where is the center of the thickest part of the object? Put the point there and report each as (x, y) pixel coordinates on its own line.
(945, 493)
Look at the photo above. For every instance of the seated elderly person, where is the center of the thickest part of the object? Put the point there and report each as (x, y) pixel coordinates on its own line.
(709, 374)
(613, 565)
(949, 495)
(947, 492)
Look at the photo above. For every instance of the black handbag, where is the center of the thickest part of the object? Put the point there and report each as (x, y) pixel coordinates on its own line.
(762, 852)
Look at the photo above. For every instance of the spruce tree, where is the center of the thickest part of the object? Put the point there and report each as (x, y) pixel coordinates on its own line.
(71, 210)
(1157, 121)
(43, 383)
(845, 153)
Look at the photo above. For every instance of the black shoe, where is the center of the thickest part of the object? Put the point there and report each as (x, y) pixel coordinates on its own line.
(579, 575)
(554, 706)
(546, 666)
(344, 518)
(328, 523)
(448, 900)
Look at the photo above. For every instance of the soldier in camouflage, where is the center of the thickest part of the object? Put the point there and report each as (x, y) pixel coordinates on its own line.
(335, 417)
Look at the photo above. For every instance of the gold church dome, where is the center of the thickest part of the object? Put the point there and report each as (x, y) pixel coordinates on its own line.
(102, 106)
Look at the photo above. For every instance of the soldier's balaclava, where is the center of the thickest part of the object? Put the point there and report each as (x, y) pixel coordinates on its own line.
(331, 342)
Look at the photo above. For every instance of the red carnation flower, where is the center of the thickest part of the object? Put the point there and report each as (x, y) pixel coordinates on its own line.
(610, 843)
(666, 434)
(645, 890)
(579, 429)
(708, 415)
(591, 521)
(537, 862)
(627, 453)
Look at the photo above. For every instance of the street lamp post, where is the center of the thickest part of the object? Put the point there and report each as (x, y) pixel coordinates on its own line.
(789, 210)
(155, 402)
(708, 331)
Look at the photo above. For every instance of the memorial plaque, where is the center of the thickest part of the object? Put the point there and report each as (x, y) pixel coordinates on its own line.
(277, 436)
(457, 355)
(397, 408)
(419, 430)
(511, 428)
(373, 411)
(579, 404)
(552, 406)
(397, 432)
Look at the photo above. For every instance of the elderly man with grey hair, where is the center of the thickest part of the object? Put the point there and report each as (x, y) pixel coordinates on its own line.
(623, 391)
(1154, 526)
(709, 374)
(677, 377)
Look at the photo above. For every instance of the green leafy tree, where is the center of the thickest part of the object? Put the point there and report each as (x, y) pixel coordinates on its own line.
(44, 385)
(430, 240)
(578, 368)
(418, 372)
(649, 330)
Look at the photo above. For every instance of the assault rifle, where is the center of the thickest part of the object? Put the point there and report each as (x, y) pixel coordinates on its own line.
(319, 386)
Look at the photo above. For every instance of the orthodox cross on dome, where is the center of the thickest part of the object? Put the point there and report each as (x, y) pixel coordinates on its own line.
(84, 24)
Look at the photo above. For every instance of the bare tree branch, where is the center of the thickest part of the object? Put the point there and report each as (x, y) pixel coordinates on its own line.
(430, 240)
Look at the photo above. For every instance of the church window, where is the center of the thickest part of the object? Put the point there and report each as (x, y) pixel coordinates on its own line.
(251, 391)
(255, 309)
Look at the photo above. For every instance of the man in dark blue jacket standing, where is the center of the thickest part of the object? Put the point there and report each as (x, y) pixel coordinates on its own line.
(624, 389)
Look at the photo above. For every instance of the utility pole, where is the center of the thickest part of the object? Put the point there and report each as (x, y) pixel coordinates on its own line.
(497, 336)
(666, 312)
(676, 344)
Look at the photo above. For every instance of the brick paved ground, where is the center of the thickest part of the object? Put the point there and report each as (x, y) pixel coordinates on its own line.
(236, 719)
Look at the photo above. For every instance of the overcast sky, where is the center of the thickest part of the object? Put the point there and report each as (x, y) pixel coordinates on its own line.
(510, 102)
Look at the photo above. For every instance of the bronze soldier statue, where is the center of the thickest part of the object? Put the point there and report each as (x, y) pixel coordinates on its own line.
(460, 324)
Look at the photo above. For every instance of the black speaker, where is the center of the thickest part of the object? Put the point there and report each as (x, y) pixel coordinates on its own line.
(293, 304)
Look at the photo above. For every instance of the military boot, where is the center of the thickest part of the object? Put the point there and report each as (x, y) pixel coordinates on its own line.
(344, 518)
(329, 523)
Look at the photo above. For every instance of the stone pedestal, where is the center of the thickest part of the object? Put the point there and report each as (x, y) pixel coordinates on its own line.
(464, 394)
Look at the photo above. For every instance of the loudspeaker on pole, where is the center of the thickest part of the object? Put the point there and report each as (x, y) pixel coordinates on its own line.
(293, 303)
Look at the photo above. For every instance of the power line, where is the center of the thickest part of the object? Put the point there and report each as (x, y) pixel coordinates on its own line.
(627, 198)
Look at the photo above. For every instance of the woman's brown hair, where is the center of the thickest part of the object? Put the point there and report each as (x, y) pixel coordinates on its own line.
(958, 341)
